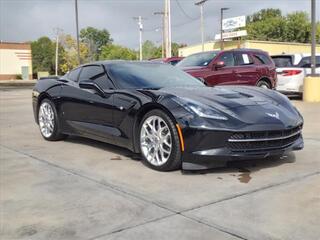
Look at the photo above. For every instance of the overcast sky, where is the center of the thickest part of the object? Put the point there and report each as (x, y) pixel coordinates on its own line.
(25, 20)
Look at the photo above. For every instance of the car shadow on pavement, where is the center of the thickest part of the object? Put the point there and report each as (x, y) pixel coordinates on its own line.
(104, 146)
(243, 168)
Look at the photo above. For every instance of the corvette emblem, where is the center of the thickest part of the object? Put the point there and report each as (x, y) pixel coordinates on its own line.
(274, 115)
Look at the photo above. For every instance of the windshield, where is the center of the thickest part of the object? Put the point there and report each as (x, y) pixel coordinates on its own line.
(199, 59)
(149, 75)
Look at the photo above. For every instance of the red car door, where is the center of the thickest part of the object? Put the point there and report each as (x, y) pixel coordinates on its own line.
(222, 70)
(245, 70)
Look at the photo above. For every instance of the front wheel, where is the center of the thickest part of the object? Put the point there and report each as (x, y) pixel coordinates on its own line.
(48, 121)
(264, 84)
(159, 142)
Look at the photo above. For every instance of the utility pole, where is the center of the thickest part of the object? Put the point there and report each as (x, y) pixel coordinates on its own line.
(162, 31)
(200, 3)
(57, 32)
(77, 28)
(167, 17)
(221, 27)
(139, 18)
(313, 37)
(169, 28)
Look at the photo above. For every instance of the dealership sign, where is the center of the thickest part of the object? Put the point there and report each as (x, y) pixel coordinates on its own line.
(231, 34)
(232, 23)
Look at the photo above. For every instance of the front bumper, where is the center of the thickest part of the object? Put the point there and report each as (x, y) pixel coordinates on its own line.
(211, 149)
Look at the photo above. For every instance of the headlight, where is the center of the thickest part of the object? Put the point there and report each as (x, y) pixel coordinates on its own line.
(200, 109)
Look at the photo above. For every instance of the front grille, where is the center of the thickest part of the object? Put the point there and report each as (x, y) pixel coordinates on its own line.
(263, 140)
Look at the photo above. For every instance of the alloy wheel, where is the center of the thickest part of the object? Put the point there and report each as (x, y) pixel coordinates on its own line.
(46, 119)
(155, 140)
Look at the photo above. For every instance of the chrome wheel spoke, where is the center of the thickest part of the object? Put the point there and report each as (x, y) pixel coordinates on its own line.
(155, 140)
(46, 119)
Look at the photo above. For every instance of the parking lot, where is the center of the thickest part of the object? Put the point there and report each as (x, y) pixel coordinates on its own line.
(83, 189)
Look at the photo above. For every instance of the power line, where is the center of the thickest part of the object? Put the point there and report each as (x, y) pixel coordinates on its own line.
(183, 11)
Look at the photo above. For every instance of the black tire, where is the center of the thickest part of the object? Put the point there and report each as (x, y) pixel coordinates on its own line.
(263, 84)
(56, 133)
(174, 160)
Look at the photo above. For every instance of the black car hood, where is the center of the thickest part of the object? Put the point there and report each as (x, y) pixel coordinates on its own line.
(224, 97)
(250, 105)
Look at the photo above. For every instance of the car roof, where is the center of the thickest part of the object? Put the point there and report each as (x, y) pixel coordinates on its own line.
(232, 50)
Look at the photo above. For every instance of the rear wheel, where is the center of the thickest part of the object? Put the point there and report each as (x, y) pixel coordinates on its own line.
(48, 121)
(159, 142)
(264, 84)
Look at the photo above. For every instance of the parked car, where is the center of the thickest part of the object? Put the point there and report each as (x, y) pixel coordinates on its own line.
(232, 67)
(171, 60)
(168, 116)
(291, 70)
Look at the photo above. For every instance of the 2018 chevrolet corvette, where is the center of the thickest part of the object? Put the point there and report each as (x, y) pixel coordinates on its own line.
(168, 116)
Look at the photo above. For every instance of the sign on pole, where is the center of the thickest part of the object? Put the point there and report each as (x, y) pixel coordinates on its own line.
(231, 34)
(232, 23)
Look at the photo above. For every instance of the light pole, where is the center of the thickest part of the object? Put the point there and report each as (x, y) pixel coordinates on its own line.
(139, 18)
(313, 37)
(77, 28)
(58, 31)
(200, 3)
(162, 31)
(167, 19)
(221, 29)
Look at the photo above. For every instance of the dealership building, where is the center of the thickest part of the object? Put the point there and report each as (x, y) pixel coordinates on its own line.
(272, 48)
(15, 61)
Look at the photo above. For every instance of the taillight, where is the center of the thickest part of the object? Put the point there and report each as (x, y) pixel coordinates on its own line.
(290, 72)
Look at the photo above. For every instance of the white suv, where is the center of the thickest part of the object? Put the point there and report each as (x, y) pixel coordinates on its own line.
(291, 70)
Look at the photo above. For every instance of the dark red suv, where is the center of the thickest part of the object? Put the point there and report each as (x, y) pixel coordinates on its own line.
(236, 66)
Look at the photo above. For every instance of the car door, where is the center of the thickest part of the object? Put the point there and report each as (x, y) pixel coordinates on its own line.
(246, 71)
(87, 111)
(222, 75)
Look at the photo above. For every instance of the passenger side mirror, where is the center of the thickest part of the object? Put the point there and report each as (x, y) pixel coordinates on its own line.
(88, 84)
(219, 65)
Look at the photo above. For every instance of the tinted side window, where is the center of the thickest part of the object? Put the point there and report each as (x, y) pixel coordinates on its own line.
(306, 62)
(263, 59)
(174, 62)
(96, 74)
(282, 61)
(227, 58)
(73, 75)
(243, 59)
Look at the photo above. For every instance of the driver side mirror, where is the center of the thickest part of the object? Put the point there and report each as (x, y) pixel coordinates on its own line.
(219, 65)
(87, 84)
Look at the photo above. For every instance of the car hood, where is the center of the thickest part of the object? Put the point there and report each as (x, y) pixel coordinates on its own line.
(250, 105)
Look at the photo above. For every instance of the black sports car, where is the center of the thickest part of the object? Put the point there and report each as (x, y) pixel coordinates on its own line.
(168, 116)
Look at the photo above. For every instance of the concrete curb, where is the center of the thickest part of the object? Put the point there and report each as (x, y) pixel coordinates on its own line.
(17, 83)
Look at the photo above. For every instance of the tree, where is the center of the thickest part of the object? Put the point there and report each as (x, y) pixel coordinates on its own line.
(149, 50)
(43, 53)
(270, 24)
(175, 48)
(69, 57)
(267, 24)
(112, 51)
(95, 39)
(298, 27)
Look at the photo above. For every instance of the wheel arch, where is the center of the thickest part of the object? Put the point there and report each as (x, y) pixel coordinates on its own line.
(265, 79)
(142, 112)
